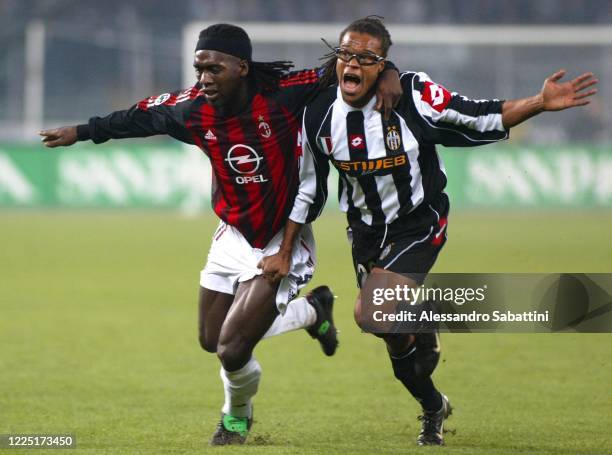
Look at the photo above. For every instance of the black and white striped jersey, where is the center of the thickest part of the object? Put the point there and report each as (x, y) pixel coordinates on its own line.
(387, 169)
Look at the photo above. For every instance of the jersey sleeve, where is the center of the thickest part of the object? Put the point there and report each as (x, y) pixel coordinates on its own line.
(299, 87)
(451, 119)
(161, 114)
(312, 192)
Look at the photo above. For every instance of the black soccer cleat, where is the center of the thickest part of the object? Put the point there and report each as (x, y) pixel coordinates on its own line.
(324, 330)
(231, 430)
(432, 430)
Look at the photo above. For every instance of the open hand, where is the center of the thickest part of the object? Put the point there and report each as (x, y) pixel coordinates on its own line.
(557, 95)
(63, 136)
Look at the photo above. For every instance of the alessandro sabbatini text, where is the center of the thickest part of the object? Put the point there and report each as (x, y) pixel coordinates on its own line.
(488, 303)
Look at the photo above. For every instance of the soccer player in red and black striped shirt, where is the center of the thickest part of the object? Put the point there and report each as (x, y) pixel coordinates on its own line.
(245, 116)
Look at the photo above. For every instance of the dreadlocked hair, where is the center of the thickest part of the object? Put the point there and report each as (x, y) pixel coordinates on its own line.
(372, 25)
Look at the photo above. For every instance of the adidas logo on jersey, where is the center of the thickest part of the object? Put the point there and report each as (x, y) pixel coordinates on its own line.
(210, 136)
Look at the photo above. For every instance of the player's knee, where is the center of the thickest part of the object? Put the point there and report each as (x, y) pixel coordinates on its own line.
(425, 363)
(416, 367)
(398, 342)
(360, 319)
(208, 343)
(233, 354)
(404, 369)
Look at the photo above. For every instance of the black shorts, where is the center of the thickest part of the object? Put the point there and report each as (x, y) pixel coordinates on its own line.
(410, 245)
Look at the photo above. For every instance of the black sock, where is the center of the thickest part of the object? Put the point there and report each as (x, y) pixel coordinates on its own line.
(407, 368)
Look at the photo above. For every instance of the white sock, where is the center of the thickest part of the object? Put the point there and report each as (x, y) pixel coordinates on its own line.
(240, 386)
(299, 315)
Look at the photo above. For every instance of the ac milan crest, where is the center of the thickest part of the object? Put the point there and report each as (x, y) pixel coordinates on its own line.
(264, 128)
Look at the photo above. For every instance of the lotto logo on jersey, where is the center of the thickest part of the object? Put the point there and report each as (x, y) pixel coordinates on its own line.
(436, 96)
(357, 141)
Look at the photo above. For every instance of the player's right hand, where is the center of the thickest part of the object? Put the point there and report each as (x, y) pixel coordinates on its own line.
(63, 136)
(388, 92)
(275, 267)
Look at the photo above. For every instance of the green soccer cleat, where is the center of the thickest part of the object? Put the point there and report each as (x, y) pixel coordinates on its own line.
(231, 430)
(323, 330)
(432, 430)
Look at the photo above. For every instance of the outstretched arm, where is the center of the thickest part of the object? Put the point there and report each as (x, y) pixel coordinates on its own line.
(138, 121)
(554, 96)
(161, 114)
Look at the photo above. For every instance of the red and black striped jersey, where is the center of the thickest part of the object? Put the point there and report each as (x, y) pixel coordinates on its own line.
(255, 155)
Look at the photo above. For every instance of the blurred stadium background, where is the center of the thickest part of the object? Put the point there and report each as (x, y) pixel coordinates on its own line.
(99, 264)
(64, 61)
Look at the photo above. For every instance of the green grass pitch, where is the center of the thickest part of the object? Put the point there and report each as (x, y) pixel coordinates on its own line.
(98, 337)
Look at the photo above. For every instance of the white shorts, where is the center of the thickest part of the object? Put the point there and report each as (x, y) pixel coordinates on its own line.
(232, 260)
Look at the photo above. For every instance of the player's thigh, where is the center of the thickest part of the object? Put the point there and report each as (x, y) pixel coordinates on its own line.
(251, 314)
(213, 309)
(379, 278)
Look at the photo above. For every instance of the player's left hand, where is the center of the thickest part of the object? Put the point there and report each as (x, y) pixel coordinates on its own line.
(557, 96)
(275, 267)
(388, 92)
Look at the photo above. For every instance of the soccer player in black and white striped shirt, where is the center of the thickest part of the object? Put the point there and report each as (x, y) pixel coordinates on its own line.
(392, 180)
